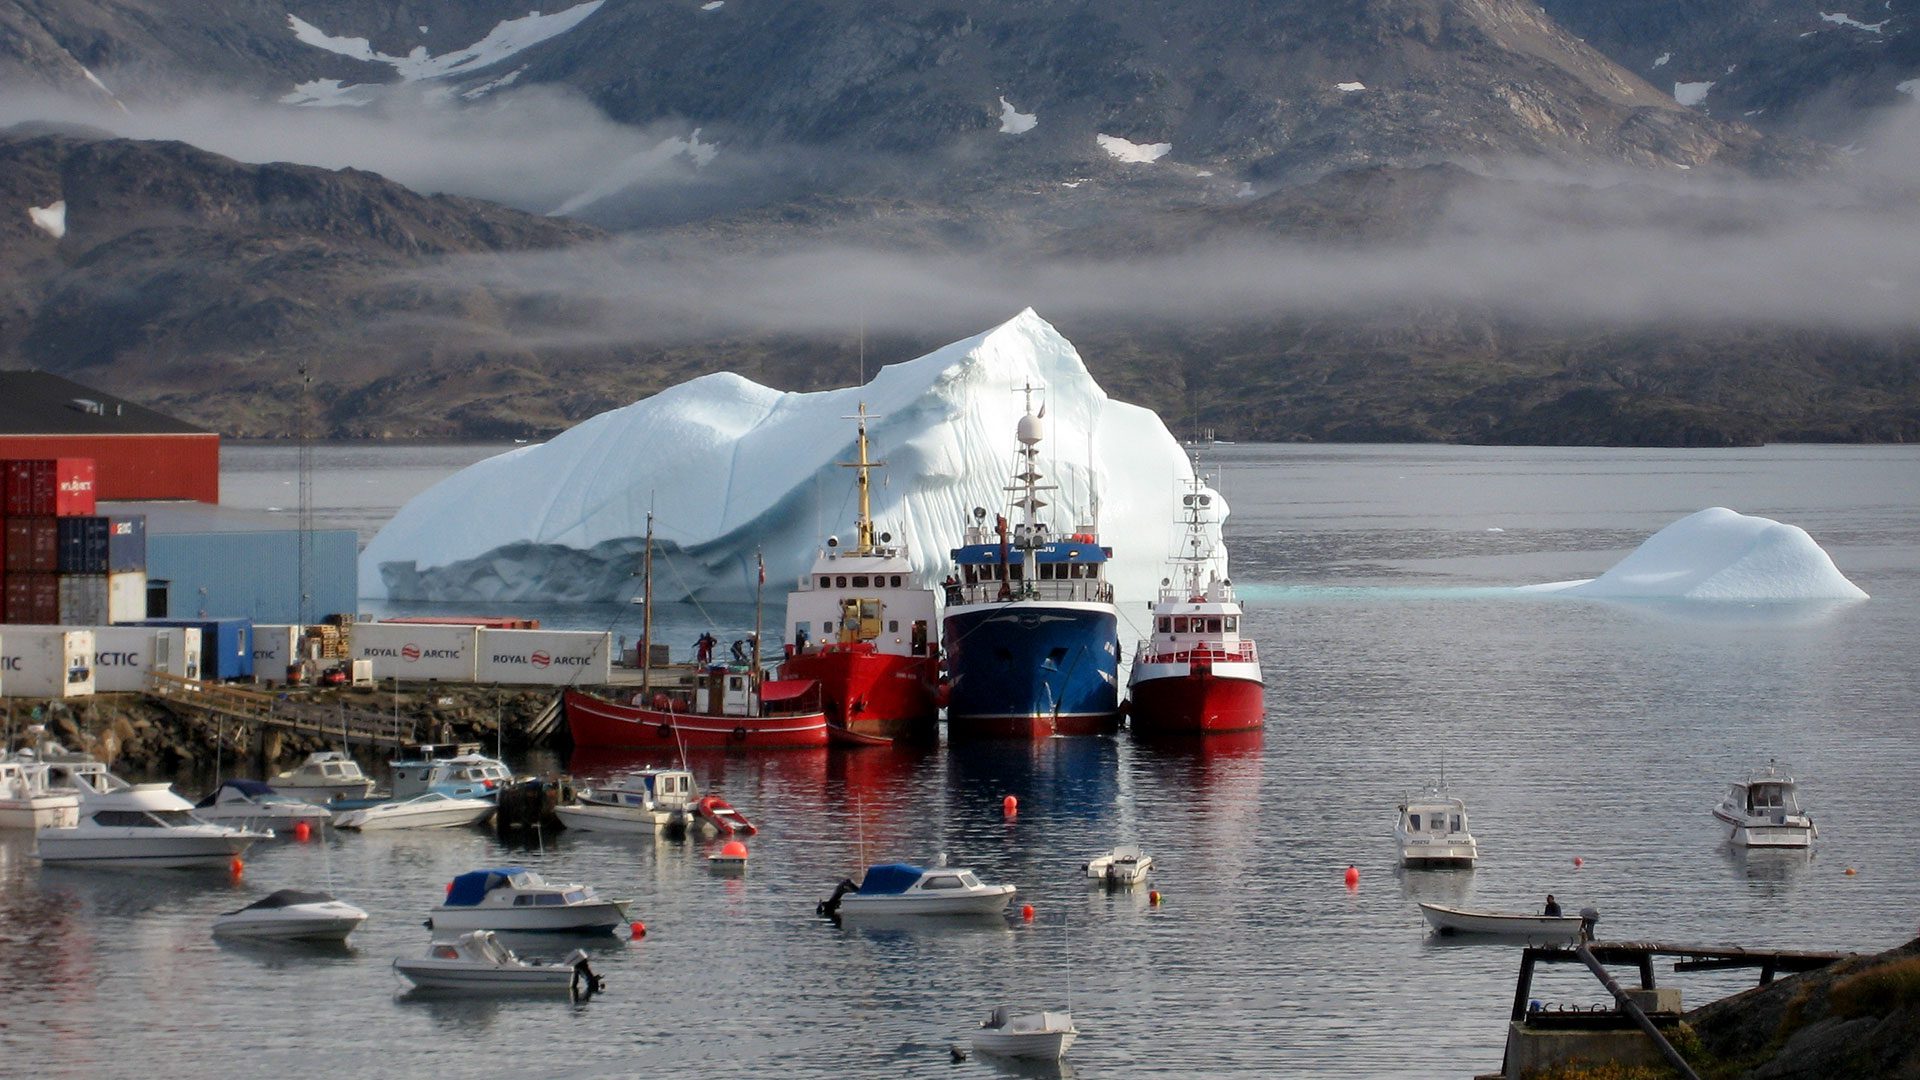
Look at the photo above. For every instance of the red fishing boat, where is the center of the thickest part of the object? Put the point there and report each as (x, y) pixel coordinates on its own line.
(1197, 674)
(722, 710)
(862, 628)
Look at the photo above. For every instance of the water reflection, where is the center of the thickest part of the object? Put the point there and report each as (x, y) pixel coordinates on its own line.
(1772, 871)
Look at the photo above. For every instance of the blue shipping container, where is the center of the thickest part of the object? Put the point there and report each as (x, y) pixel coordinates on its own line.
(83, 545)
(126, 543)
(226, 645)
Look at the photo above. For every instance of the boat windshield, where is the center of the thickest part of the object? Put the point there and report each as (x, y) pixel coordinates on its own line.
(942, 881)
(967, 879)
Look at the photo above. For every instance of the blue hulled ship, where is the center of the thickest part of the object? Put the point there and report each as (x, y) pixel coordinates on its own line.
(1031, 633)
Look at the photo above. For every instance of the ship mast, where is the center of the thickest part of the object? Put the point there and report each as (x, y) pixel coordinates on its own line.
(646, 617)
(865, 544)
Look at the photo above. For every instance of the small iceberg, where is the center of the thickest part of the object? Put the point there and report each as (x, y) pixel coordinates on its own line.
(1720, 555)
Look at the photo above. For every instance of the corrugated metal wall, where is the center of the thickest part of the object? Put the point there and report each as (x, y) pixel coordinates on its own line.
(255, 574)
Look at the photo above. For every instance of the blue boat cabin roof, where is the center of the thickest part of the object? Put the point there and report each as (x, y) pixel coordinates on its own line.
(887, 878)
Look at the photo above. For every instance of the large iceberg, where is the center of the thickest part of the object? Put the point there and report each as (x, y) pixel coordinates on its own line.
(1718, 554)
(731, 468)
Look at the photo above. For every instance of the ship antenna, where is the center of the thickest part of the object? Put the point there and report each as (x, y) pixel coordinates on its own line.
(865, 528)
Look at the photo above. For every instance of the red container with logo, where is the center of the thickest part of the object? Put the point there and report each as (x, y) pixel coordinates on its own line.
(33, 545)
(33, 599)
(50, 487)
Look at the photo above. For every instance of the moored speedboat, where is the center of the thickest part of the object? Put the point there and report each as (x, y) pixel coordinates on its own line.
(292, 915)
(1031, 633)
(904, 889)
(1124, 865)
(250, 804)
(1432, 831)
(430, 811)
(1197, 673)
(639, 801)
(464, 774)
(1027, 1034)
(477, 963)
(137, 825)
(862, 627)
(517, 899)
(1763, 811)
(326, 776)
(26, 800)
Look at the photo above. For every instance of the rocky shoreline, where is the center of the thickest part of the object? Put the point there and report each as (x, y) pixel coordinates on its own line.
(148, 738)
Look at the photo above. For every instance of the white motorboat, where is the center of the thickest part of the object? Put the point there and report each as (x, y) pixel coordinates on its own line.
(26, 800)
(1763, 811)
(1509, 924)
(517, 899)
(430, 811)
(292, 915)
(1432, 831)
(904, 889)
(1124, 865)
(477, 963)
(641, 801)
(1029, 1034)
(250, 804)
(467, 774)
(143, 825)
(326, 776)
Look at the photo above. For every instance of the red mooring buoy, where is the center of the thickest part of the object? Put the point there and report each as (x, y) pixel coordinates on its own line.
(1353, 876)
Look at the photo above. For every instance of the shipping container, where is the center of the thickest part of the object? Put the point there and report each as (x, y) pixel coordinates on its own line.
(33, 545)
(127, 597)
(226, 646)
(543, 657)
(410, 651)
(276, 647)
(83, 545)
(490, 622)
(50, 487)
(126, 543)
(122, 655)
(46, 662)
(83, 600)
(33, 599)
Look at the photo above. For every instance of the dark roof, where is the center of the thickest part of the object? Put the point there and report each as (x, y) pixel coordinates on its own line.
(42, 403)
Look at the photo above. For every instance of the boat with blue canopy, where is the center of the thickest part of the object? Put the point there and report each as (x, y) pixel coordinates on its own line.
(905, 889)
(515, 898)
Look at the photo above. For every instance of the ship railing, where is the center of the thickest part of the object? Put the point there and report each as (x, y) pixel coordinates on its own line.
(1244, 653)
(988, 592)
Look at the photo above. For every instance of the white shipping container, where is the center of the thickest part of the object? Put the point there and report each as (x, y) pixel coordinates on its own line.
(122, 655)
(127, 596)
(544, 657)
(46, 662)
(416, 651)
(275, 648)
(83, 600)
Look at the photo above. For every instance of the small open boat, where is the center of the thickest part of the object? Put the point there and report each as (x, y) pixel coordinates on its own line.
(250, 804)
(1509, 924)
(1124, 865)
(476, 963)
(1031, 1034)
(430, 811)
(292, 915)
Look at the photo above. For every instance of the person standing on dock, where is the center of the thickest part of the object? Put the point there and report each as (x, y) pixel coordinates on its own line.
(1552, 908)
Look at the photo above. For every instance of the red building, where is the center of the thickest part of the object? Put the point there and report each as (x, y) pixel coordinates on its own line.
(137, 453)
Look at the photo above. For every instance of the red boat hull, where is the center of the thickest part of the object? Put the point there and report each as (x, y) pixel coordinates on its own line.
(872, 696)
(1195, 704)
(597, 723)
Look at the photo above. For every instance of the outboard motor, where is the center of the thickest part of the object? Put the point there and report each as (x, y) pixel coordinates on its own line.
(1588, 917)
(830, 907)
(585, 983)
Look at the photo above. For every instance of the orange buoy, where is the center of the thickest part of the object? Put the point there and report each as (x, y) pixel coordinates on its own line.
(449, 888)
(1154, 898)
(1353, 876)
(302, 831)
(1026, 912)
(733, 849)
(236, 866)
(1578, 861)
(638, 929)
(1010, 806)
(1851, 871)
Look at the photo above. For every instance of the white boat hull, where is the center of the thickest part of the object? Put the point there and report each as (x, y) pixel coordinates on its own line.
(42, 812)
(1040, 1036)
(1439, 856)
(1788, 832)
(1448, 920)
(986, 901)
(104, 848)
(306, 922)
(593, 917)
(633, 820)
(485, 979)
(450, 814)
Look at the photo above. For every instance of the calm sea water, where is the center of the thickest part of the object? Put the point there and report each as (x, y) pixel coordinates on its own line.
(1377, 582)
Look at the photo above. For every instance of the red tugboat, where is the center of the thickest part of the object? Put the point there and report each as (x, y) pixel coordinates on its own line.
(861, 628)
(1196, 675)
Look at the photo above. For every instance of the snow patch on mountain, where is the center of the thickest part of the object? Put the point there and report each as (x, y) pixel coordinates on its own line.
(731, 467)
(713, 5)
(1691, 93)
(1133, 153)
(1350, 87)
(1841, 19)
(491, 85)
(1661, 60)
(1911, 88)
(638, 167)
(504, 40)
(50, 219)
(1015, 122)
(330, 94)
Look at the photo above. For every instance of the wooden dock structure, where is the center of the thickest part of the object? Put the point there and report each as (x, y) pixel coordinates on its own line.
(249, 706)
